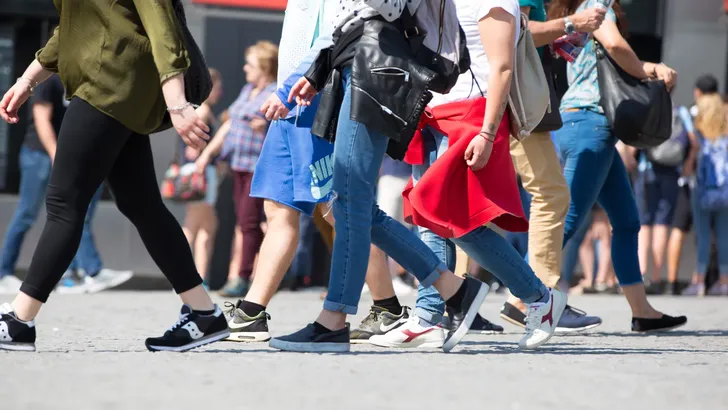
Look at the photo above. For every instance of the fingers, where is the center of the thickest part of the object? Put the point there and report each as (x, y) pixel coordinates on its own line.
(201, 125)
(296, 89)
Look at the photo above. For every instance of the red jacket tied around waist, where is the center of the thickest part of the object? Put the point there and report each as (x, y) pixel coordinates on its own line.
(450, 198)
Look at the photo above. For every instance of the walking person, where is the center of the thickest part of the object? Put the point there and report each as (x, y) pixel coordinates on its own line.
(593, 169)
(107, 68)
(710, 196)
(48, 106)
(239, 142)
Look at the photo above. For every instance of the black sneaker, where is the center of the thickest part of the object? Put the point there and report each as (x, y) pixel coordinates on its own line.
(574, 320)
(244, 328)
(379, 322)
(480, 326)
(475, 293)
(14, 333)
(191, 330)
(657, 325)
(513, 315)
(310, 339)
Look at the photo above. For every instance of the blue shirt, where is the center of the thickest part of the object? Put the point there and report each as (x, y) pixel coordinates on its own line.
(583, 89)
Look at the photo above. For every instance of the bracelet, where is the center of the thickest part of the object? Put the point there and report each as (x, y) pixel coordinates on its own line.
(484, 133)
(177, 109)
(31, 84)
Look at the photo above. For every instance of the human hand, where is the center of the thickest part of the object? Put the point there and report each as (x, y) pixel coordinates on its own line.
(191, 154)
(588, 20)
(258, 124)
(478, 152)
(666, 74)
(13, 100)
(273, 108)
(303, 92)
(202, 162)
(191, 127)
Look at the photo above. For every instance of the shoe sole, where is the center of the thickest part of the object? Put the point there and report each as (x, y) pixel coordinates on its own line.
(485, 332)
(309, 347)
(118, 280)
(464, 327)
(360, 341)
(512, 321)
(18, 347)
(664, 329)
(394, 345)
(250, 337)
(215, 337)
(569, 330)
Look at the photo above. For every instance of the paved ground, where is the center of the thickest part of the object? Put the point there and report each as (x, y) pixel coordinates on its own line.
(91, 356)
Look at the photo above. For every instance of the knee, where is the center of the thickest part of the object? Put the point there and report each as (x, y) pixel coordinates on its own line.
(281, 216)
(136, 209)
(65, 204)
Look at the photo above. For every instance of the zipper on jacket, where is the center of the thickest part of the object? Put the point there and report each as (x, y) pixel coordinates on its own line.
(391, 71)
(442, 24)
(382, 107)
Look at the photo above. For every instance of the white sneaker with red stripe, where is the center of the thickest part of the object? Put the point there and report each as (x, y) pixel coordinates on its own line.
(541, 320)
(411, 335)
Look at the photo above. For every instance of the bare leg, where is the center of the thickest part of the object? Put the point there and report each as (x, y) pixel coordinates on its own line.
(236, 254)
(659, 244)
(205, 239)
(586, 259)
(674, 252)
(378, 278)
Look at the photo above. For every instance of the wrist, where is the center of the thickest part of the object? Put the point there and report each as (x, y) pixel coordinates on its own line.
(569, 26)
(28, 82)
(488, 136)
(179, 108)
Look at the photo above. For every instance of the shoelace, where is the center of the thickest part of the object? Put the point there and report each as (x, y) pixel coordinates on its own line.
(533, 318)
(182, 319)
(229, 309)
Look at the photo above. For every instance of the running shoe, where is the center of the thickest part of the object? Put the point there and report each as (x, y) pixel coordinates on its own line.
(574, 320)
(541, 320)
(105, 279)
(480, 326)
(14, 333)
(244, 328)
(191, 330)
(411, 334)
(662, 324)
(236, 288)
(314, 339)
(695, 289)
(378, 322)
(475, 293)
(718, 290)
(510, 313)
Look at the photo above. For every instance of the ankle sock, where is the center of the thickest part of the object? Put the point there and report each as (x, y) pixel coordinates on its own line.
(456, 301)
(251, 309)
(391, 305)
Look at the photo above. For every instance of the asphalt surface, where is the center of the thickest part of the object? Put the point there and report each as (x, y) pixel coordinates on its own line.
(91, 356)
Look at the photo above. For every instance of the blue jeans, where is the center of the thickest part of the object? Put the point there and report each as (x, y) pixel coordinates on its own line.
(595, 173)
(704, 232)
(519, 240)
(35, 167)
(571, 250)
(358, 155)
(488, 248)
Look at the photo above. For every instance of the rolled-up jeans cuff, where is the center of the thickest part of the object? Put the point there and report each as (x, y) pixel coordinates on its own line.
(340, 307)
(536, 295)
(431, 317)
(433, 276)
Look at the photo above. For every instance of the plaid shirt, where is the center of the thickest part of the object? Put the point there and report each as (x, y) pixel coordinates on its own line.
(242, 145)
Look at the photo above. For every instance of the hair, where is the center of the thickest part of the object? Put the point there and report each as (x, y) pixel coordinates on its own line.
(707, 84)
(215, 76)
(564, 8)
(267, 54)
(712, 121)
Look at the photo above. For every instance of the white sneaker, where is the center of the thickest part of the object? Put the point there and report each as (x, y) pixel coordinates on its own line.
(105, 279)
(411, 335)
(10, 285)
(541, 320)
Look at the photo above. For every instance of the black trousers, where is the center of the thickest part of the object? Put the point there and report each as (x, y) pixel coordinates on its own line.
(92, 147)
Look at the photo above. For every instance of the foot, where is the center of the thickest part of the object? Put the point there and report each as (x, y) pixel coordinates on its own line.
(662, 324)
(70, 284)
(312, 339)
(191, 330)
(14, 333)
(574, 320)
(9, 285)
(718, 290)
(475, 293)
(696, 289)
(236, 288)
(510, 313)
(244, 328)
(541, 320)
(378, 322)
(655, 288)
(480, 325)
(411, 335)
(105, 279)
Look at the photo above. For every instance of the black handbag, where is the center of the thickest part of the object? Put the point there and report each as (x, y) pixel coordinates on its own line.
(639, 111)
(552, 119)
(198, 83)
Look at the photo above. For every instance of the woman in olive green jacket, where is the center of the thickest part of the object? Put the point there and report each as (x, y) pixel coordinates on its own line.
(122, 63)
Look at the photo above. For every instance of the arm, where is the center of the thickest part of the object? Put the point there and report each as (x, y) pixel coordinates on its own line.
(165, 36)
(324, 41)
(42, 116)
(48, 55)
(215, 145)
(585, 21)
(19, 93)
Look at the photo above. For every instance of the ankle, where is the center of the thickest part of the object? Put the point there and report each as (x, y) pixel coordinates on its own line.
(332, 320)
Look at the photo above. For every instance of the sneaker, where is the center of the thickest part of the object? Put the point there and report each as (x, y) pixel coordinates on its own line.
(718, 290)
(574, 320)
(656, 288)
(70, 284)
(695, 289)
(662, 324)
(378, 322)
(310, 340)
(14, 333)
(510, 313)
(475, 293)
(191, 330)
(541, 320)
(9, 285)
(105, 279)
(411, 335)
(236, 288)
(244, 328)
(480, 326)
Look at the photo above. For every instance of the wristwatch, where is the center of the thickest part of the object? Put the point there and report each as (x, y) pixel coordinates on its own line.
(569, 27)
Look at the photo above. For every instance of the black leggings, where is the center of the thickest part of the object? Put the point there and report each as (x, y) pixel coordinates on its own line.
(92, 147)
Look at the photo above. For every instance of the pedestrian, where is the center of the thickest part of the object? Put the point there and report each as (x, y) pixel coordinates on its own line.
(121, 83)
(239, 142)
(592, 167)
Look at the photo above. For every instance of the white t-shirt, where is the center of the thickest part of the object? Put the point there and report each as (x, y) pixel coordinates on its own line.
(469, 13)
